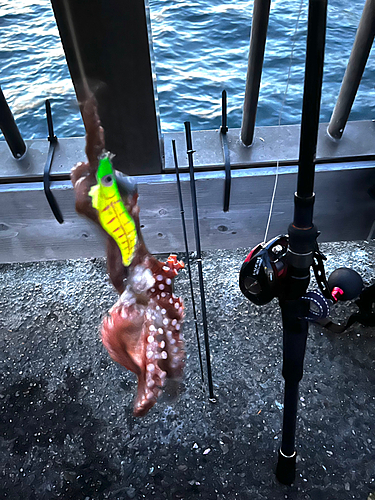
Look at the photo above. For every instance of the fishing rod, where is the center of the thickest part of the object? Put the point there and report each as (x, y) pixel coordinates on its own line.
(302, 241)
(190, 152)
(182, 211)
(281, 267)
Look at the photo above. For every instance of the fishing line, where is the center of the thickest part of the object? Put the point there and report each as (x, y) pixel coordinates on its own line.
(279, 120)
(81, 70)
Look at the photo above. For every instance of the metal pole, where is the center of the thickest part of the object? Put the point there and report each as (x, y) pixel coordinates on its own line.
(302, 240)
(224, 139)
(254, 69)
(47, 168)
(354, 71)
(10, 130)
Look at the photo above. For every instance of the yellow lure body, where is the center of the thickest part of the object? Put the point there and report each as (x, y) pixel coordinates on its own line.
(113, 215)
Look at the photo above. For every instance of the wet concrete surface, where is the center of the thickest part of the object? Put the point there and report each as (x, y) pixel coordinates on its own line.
(67, 429)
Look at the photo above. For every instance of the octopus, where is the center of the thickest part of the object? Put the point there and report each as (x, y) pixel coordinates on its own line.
(142, 331)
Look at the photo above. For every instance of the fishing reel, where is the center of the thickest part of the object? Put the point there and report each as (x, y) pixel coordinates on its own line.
(264, 269)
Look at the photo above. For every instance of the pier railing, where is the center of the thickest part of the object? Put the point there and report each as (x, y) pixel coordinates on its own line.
(344, 173)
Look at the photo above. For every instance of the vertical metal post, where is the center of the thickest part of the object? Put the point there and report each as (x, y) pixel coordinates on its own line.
(10, 130)
(224, 140)
(254, 69)
(108, 43)
(354, 71)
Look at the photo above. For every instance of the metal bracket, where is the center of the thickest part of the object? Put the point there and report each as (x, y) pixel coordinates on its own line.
(47, 168)
(224, 139)
(320, 274)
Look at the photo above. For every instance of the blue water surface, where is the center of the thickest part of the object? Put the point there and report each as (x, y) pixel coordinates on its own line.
(201, 47)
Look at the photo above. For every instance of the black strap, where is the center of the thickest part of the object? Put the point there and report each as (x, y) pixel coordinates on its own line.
(319, 306)
(365, 316)
(47, 168)
(320, 274)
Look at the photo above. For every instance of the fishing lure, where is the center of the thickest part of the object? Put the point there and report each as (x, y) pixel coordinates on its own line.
(113, 215)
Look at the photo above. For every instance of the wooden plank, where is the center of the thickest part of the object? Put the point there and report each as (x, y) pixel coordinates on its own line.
(344, 211)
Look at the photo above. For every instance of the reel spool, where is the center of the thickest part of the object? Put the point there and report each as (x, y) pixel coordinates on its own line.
(263, 269)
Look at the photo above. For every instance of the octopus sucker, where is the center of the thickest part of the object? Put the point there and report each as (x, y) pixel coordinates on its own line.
(142, 329)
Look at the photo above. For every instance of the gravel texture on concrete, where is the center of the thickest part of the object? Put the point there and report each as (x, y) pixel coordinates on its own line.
(67, 429)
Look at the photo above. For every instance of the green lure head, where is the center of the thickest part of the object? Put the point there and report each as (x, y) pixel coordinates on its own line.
(104, 174)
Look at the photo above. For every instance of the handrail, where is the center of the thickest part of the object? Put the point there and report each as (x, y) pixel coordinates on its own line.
(10, 130)
(258, 38)
(354, 70)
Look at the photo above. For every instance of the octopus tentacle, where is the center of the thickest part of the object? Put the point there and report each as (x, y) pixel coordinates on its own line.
(143, 329)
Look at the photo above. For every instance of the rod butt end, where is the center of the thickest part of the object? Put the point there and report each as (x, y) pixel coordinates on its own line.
(286, 468)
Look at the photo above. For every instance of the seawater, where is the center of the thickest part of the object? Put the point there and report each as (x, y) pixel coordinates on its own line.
(200, 48)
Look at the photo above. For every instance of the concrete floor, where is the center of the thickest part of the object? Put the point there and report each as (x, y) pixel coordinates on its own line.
(67, 429)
